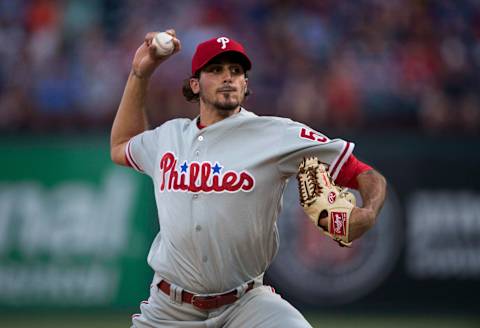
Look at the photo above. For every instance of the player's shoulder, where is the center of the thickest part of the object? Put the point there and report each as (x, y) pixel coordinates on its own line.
(266, 119)
(282, 125)
(175, 124)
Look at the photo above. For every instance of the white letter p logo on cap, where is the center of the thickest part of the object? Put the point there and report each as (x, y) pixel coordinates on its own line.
(223, 40)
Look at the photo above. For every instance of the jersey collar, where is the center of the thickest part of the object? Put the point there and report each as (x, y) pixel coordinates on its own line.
(200, 126)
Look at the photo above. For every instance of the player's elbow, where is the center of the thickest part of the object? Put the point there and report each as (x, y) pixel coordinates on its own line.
(374, 177)
(117, 154)
(381, 180)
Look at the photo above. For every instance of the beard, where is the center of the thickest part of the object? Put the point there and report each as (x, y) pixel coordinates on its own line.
(226, 104)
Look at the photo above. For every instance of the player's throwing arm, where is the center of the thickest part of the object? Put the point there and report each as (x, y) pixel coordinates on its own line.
(131, 118)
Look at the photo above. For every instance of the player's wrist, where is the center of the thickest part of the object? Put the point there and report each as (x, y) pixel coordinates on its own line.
(372, 211)
(364, 215)
(140, 76)
(370, 216)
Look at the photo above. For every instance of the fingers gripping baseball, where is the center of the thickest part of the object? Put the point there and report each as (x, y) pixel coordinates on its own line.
(162, 44)
(156, 48)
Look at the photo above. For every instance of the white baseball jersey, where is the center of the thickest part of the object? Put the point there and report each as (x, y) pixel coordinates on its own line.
(219, 192)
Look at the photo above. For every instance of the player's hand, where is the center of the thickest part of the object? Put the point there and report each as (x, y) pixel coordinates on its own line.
(146, 60)
(361, 220)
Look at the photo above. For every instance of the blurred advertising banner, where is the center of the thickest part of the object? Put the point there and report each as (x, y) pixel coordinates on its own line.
(74, 228)
(443, 234)
(424, 251)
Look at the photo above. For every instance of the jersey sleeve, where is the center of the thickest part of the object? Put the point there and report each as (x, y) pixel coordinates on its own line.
(347, 177)
(141, 151)
(299, 141)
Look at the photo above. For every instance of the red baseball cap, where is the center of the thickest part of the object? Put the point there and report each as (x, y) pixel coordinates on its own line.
(209, 49)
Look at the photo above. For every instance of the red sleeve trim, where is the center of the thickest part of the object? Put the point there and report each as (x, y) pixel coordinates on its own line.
(338, 163)
(347, 177)
(130, 161)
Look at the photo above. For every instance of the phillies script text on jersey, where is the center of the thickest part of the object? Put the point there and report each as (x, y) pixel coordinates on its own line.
(201, 177)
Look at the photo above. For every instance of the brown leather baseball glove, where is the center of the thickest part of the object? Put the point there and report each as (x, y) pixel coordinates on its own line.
(321, 198)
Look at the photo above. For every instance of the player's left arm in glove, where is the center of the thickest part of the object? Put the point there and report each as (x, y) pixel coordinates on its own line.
(332, 208)
(372, 187)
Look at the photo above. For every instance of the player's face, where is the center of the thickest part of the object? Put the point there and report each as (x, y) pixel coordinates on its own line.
(223, 85)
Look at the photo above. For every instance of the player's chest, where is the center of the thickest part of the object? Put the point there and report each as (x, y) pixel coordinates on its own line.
(213, 167)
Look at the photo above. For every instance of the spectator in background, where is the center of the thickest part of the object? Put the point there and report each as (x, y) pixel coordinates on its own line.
(362, 64)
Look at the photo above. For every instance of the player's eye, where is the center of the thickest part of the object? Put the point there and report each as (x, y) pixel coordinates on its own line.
(237, 70)
(216, 69)
(213, 69)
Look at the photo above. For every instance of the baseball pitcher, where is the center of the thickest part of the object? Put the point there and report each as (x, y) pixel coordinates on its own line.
(218, 182)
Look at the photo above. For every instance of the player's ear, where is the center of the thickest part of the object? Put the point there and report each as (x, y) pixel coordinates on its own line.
(195, 85)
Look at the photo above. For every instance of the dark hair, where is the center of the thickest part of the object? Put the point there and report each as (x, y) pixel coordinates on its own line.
(192, 97)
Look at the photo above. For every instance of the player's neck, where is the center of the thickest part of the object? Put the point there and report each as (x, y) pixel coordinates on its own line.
(209, 116)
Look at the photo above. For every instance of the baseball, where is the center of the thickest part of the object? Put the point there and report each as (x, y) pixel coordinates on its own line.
(163, 42)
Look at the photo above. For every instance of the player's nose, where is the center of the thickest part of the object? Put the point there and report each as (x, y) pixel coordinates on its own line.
(227, 75)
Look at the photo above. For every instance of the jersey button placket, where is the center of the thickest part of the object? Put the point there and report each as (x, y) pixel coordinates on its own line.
(197, 227)
(200, 139)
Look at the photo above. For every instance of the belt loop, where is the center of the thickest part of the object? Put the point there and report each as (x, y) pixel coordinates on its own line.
(176, 294)
(156, 280)
(241, 289)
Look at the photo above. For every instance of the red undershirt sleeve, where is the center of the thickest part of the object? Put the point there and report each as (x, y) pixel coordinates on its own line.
(347, 177)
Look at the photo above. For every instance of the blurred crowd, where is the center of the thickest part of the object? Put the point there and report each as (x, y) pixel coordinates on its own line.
(348, 65)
